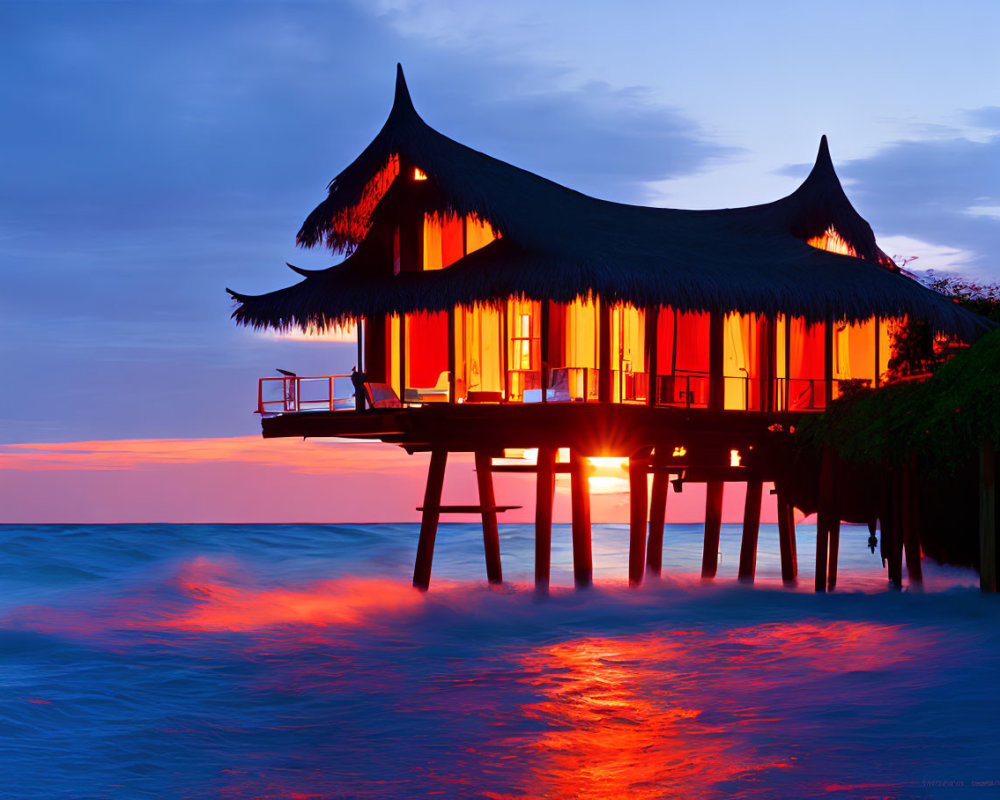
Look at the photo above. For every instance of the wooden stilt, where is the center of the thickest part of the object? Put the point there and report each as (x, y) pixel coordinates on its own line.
(657, 513)
(713, 526)
(751, 528)
(824, 518)
(545, 491)
(488, 503)
(987, 516)
(793, 542)
(786, 541)
(834, 550)
(583, 567)
(429, 520)
(911, 524)
(822, 548)
(894, 541)
(605, 381)
(638, 503)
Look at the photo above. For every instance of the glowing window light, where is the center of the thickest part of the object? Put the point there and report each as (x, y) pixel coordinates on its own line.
(523, 357)
(734, 458)
(419, 174)
(608, 461)
(680, 451)
(316, 332)
(832, 241)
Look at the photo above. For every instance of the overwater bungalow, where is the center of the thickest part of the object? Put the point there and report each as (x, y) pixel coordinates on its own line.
(496, 309)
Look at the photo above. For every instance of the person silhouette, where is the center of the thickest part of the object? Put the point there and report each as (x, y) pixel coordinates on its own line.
(358, 381)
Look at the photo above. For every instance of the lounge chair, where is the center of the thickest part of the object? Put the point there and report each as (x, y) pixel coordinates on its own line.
(382, 395)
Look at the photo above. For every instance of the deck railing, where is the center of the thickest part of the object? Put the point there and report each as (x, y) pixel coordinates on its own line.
(741, 392)
(291, 394)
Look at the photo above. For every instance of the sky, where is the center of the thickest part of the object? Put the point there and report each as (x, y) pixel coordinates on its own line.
(154, 153)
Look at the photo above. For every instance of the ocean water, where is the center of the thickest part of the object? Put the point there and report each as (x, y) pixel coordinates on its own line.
(295, 661)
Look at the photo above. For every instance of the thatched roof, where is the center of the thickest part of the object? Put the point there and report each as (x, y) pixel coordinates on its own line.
(559, 244)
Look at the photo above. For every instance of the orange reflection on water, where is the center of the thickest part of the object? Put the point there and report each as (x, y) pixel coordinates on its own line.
(683, 714)
(614, 731)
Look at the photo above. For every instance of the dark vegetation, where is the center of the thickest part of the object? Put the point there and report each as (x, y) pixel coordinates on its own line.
(931, 429)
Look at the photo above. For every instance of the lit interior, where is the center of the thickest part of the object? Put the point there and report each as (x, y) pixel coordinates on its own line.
(833, 242)
(427, 379)
(524, 358)
(628, 355)
(478, 367)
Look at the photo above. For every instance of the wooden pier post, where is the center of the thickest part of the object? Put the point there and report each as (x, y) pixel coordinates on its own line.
(824, 518)
(987, 516)
(583, 566)
(911, 522)
(429, 519)
(751, 529)
(605, 382)
(892, 539)
(713, 526)
(786, 542)
(488, 505)
(822, 549)
(834, 551)
(544, 494)
(638, 500)
(657, 512)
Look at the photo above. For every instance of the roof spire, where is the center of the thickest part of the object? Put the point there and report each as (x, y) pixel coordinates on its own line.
(402, 99)
(823, 159)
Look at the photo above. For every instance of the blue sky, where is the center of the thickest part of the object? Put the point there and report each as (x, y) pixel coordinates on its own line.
(154, 153)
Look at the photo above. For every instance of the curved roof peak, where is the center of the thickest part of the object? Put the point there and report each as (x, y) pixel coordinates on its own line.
(824, 163)
(401, 102)
(823, 155)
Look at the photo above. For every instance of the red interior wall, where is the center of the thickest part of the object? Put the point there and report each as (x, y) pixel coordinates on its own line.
(692, 341)
(427, 348)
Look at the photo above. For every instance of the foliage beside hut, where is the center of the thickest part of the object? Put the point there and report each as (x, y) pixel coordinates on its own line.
(940, 422)
(934, 444)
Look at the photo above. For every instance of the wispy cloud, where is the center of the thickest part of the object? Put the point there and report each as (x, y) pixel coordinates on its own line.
(941, 193)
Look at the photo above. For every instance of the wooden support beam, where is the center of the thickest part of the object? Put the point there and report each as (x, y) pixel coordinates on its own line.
(544, 494)
(786, 541)
(987, 516)
(402, 355)
(470, 509)
(751, 528)
(429, 519)
(604, 376)
(828, 361)
(716, 358)
(543, 324)
(911, 522)
(451, 354)
(833, 547)
(360, 334)
(638, 504)
(657, 512)
(491, 533)
(822, 548)
(713, 527)
(583, 567)
(558, 468)
(651, 341)
(824, 517)
(893, 538)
